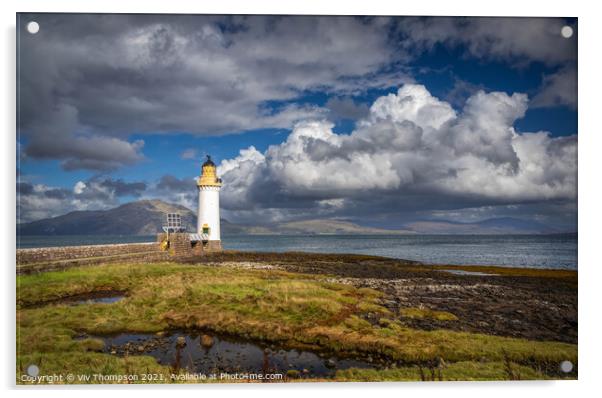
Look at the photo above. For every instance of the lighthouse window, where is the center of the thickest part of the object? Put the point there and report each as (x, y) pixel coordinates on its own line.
(206, 230)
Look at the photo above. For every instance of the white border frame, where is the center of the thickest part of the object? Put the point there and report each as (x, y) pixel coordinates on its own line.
(590, 222)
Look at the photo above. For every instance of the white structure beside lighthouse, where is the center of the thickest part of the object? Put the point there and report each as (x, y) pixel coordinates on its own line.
(208, 221)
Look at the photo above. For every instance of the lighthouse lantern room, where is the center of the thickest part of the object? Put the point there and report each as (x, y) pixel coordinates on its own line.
(208, 221)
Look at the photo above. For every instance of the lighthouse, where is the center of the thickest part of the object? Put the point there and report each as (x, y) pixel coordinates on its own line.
(208, 221)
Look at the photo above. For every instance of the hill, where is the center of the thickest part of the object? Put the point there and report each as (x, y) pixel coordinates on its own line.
(144, 217)
(492, 226)
(329, 226)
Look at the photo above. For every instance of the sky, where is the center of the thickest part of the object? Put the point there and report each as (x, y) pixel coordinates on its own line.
(379, 121)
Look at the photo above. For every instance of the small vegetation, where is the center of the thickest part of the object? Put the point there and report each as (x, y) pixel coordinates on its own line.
(421, 313)
(289, 309)
(463, 370)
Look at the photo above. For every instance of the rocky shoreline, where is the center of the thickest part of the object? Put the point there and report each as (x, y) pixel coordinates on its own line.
(535, 309)
(540, 306)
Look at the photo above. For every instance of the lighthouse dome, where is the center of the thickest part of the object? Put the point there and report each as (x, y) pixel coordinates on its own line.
(208, 162)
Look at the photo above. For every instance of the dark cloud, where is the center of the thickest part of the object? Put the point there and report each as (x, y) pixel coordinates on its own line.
(558, 89)
(461, 91)
(24, 188)
(174, 184)
(519, 41)
(346, 108)
(54, 134)
(122, 188)
(87, 82)
(57, 193)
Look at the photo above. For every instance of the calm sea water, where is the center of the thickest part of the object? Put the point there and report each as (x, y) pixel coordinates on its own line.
(538, 251)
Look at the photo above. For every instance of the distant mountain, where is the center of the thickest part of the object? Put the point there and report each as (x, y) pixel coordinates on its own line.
(146, 217)
(329, 226)
(504, 225)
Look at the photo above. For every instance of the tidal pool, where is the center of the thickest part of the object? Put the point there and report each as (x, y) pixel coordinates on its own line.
(98, 297)
(203, 353)
(462, 272)
(108, 299)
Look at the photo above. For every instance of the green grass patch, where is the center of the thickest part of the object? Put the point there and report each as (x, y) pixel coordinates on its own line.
(421, 313)
(459, 371)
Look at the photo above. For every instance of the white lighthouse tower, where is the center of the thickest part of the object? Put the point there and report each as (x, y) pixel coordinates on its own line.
(208, 221)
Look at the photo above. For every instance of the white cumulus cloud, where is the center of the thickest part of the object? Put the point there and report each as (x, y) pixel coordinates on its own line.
(411, 145)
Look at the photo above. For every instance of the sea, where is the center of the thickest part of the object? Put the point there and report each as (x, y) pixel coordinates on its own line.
(558, 251)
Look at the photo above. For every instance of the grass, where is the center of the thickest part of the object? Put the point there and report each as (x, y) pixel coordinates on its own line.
(459, 371)
(421, 313)
(291, 309)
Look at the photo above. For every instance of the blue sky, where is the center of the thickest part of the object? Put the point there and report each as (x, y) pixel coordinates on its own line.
(169, 90)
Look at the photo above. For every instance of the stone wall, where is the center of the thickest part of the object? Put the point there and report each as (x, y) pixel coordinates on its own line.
(53, 258)
(213, 246)
(181, 246)
(26, 256)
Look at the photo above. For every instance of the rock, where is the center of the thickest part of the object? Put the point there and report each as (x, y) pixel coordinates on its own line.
(331, 363)
(181, 341)
(305, 371)
(206, 341)
(160, 334)
(113, 352)
(140, 348)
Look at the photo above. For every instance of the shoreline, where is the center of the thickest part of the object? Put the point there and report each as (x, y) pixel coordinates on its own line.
(507, 270)
(27, 257)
